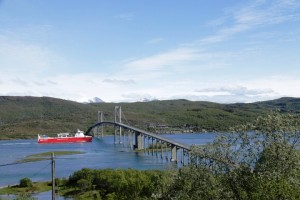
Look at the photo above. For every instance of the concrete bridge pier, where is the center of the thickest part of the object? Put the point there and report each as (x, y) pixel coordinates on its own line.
(144, 142)
(138, 141)
(152, 146)
(185, 157)
(173, 153)
(162, 149)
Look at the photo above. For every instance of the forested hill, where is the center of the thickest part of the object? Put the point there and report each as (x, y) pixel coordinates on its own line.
(23, 117)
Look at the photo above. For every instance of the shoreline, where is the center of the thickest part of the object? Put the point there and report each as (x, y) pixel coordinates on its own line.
(166, 133)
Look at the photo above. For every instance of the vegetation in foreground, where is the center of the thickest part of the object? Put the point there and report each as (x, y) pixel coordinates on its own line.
(25, 189)
(261, 164)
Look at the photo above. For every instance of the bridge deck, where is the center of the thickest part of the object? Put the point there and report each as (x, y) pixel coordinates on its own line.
(170, 141)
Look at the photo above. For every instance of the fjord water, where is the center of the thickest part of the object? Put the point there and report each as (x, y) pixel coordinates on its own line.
(99, 154)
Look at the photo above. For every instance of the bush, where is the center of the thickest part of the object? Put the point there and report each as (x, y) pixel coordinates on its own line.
(84, 185)
(24, 196)
(25, 182)
(120, 183)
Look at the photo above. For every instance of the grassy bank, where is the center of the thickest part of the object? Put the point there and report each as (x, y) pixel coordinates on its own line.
(47, 156)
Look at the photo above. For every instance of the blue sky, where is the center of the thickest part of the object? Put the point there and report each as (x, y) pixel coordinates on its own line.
(212, 50)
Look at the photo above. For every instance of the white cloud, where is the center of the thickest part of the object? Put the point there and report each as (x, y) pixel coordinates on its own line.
(235, 90)
(249, 90)
(235, 93)
(181, 58)
(225, 34)
(242, 19)
(26, 68)
(21, 57)
(164, 59)
(80, 87)
(119, 82)
(254, 15)
(20, 82)
(281, 85)
(133, 97)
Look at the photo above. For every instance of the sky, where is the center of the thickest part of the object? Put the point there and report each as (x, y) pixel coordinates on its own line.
(224, 51)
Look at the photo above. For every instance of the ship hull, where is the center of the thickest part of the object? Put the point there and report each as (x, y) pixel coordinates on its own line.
(65, 140)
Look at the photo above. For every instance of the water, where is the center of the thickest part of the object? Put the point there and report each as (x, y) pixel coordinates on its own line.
(99, 154)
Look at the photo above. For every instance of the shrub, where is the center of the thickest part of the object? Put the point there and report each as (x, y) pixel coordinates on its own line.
(25, 182)
(84, 185)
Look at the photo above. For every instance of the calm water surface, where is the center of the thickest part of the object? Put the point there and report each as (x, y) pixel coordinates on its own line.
(99, 154)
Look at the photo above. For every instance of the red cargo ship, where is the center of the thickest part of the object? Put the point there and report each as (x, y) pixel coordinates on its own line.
(65, 138)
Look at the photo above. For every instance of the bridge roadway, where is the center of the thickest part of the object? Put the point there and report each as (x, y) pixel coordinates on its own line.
(139, 142)
(153, 135)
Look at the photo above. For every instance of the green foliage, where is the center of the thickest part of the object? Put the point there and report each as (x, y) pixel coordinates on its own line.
(254, 161)
(24, 117)
(37, 187)
(194, 183)
(85, 173)
(58, 182)
(28, 116)
(120, 184)
(84, 184)
(25, 182)
(24, 196)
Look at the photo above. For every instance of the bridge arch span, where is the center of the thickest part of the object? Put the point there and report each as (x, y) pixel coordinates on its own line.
(100, 124)
(142, 132)
(143, 139)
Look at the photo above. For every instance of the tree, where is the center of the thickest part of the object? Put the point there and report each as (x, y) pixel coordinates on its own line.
(194, 183)
(84, 185)
(25, 182)
(120, 183)
(256, 160)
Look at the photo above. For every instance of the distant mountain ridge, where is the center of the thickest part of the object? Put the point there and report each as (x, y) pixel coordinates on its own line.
(96, 100)
(22, 117)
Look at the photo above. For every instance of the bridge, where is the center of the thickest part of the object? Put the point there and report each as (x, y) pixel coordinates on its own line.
(141, 140)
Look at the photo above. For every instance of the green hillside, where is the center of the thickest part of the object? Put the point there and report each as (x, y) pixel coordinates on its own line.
(24, 117)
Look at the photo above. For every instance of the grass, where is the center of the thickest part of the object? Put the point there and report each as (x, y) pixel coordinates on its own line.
(16, 189)
(39, 187)
(47, 156)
